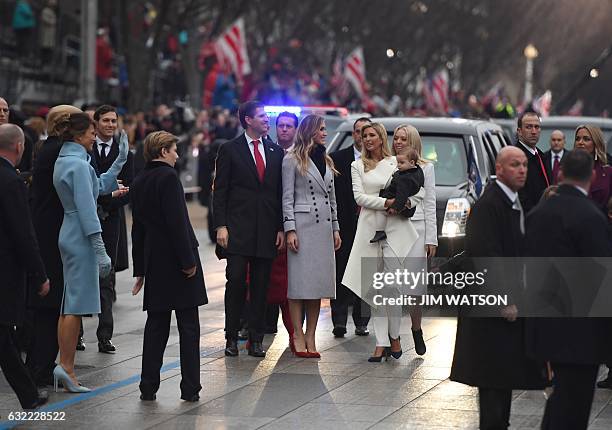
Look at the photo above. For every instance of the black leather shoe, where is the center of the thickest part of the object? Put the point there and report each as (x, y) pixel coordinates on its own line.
(148, 397)
(80, 344)
(378, 236)
(605, 383)
(419, 343)
(339, 331)
(256, 350)
(231, 348)
(362, 330)
(192, 398)
(243, 334)
(106, 346)
(43, 397)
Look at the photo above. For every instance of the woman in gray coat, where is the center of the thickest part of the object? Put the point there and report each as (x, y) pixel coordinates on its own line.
(311, 226)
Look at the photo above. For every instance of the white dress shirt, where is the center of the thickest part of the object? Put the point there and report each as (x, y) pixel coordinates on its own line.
(99, 147)
(357, 153)
(250, 140)
(516, 203)
(529, 148)
(552, 158)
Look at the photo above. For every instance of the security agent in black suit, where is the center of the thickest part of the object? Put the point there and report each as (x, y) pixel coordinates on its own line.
(111, 213)
(19, 258)
(538, 176)
(167, 263)
(555, 155)
(247, 193)
(348, 213)
(490, 352)
(569, 225)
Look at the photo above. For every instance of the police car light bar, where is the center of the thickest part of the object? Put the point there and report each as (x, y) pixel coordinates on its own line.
(275, 110)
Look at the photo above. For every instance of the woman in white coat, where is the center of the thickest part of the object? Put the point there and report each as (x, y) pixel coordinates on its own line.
(370, 174)
(310, 221)
(424, 220)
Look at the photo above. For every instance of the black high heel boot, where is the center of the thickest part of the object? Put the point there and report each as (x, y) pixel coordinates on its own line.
(378, 359)
(378, 236)
(419, 343)
(395, 354)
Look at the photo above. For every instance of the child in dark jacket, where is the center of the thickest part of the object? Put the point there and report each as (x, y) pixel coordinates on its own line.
(406, 182)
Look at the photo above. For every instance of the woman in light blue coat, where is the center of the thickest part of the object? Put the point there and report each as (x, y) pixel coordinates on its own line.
(80, 242)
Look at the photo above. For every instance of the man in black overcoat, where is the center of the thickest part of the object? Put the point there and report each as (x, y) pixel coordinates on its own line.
(167, 263)
(539, 174)
(490, 352)
(19, 258)
(111, 213)
(569, 225)
(247, 215)
(348, 213)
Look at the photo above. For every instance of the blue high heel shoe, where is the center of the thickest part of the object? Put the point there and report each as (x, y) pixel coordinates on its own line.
(59, 374)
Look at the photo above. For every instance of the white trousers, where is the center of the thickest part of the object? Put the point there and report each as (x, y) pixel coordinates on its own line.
(386, 321)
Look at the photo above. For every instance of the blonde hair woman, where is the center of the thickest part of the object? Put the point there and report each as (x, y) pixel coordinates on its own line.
(311, 226)
(590, 138)
(370, 174)
(407, 137)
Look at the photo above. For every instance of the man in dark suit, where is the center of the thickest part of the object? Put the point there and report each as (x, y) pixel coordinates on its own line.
(247, 216)
(348, 213)
(165, 254)
(110, 211)
(19, 258)
(555, 155)
(489, 351)
(286, 128)
(538, 178)
(569, 225)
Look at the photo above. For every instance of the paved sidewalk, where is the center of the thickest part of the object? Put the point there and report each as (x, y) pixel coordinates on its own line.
(341, 390)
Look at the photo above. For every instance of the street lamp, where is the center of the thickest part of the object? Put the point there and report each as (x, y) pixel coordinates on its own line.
(390, 53)
(530, 53)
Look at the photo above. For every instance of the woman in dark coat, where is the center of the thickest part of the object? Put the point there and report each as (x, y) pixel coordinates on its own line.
(167, 264)
(47, 217)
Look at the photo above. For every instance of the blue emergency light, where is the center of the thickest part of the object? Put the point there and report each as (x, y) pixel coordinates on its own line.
(275, 110)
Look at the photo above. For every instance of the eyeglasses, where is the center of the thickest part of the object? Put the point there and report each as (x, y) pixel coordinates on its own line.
(3, 110)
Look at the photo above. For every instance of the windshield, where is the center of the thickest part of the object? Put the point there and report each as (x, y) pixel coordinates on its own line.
(569, 132)
(447, 153)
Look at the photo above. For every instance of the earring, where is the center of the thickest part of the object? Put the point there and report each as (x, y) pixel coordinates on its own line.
(595, 155)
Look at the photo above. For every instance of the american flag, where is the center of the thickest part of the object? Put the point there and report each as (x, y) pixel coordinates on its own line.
(576, 109)
(354, 71)
(543, 103)
(231, 49)
(435, 92)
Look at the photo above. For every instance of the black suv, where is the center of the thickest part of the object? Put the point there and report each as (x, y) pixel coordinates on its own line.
(463, 152)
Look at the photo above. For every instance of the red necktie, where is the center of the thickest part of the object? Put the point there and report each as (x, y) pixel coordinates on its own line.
(555, 170)
(543, 168)
(259, 162)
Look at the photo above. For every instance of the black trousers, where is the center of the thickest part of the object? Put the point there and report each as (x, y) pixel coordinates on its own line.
(235, 293)
(494, 408)
(14, 370)
(157, 330)
(43, 351)
(339, 308)
(272, 312)
(569, 405)
(105, 318)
